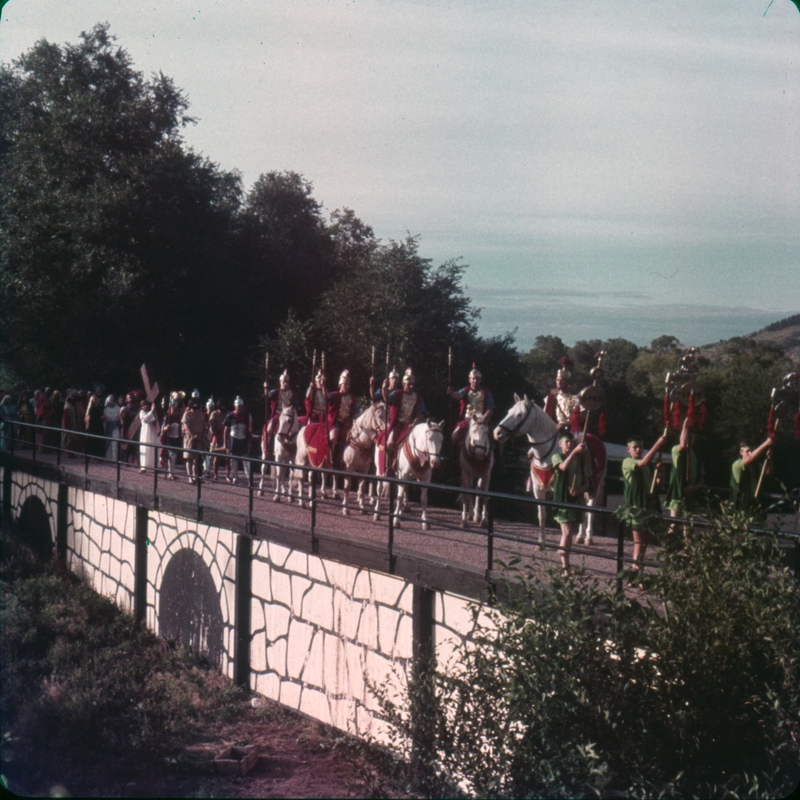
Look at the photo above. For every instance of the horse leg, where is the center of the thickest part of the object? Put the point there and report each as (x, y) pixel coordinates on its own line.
(423, 499)
(261, 482)
(377, 514)
(401, 493)
(345, 492)
(361, 485)
(466, 500)
(539, 493)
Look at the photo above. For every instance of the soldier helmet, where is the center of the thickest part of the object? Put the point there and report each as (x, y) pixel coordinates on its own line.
(408, 377)
(344, 377)
(239, 401)
(475, 372)
(284, 376)
(210, 404)
(196, 394)
(566, 366)
(394, 373)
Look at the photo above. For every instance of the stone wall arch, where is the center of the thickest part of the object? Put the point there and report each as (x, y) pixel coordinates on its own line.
(189, 606)
(36, 527)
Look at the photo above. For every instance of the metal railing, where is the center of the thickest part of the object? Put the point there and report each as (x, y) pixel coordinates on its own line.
(493, 533)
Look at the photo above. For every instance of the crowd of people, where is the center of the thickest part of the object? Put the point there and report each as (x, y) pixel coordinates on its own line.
(207, 438)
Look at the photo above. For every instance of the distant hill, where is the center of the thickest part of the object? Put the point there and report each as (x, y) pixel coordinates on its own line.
(785, 334)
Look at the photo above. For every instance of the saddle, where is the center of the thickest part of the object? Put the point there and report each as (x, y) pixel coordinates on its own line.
(315, 435)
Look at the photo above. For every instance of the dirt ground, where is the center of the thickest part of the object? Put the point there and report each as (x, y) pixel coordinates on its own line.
(297, 758)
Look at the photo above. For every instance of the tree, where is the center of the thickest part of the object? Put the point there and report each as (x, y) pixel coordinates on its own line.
(287, 252)
(395, 297)
(112, 230)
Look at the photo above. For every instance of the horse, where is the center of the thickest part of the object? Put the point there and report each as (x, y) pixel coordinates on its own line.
(418, 455)
(313, 449)
(526, 418)
(357, 455)
(476, 460)
(284, 450)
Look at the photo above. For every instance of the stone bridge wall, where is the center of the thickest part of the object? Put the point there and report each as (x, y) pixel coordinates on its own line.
(308, 632)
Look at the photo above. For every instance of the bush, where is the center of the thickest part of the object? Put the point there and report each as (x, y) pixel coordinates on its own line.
(80, 676)
(569, 689)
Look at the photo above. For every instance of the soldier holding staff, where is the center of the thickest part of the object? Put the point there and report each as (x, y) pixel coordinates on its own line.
(744, 478)
(474, 399)
(636, 473)
(570, 482)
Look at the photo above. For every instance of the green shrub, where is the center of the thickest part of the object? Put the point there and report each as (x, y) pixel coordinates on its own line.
(570, 689)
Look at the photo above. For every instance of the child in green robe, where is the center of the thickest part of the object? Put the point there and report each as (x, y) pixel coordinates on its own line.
(638, 481)
(570, 482)
(744, 479)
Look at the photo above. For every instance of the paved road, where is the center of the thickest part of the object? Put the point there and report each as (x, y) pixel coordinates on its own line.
(445, 539)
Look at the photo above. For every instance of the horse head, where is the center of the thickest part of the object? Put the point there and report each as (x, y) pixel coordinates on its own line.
(288, 423)
(513, 422)
(429, 438)
(478, 442)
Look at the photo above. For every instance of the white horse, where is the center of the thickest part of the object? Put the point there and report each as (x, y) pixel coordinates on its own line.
(476, 460)
(302, 460)
(357, 455)
(526, 419)
(284, 450)
(417, 457)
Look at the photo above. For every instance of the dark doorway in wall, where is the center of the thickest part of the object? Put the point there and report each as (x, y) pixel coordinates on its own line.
(189, 610)
(34, 528)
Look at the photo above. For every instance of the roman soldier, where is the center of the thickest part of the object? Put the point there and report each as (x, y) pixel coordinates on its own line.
(473, 399)
(317, 399)
(172, 434)
(341, 411)
(589, 413)
(279, 399)
(406, 408)
(559, 404)
(238, 427)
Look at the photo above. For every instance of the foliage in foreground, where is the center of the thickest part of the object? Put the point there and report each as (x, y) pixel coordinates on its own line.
(572, 690)
(79, 676)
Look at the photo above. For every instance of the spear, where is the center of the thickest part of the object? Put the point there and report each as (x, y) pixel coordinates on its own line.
(771, 428)
(266, 387)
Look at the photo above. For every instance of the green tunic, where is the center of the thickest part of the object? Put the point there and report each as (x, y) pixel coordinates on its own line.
(743, 485)
(577, 472)
(676, 500)
(637, 489)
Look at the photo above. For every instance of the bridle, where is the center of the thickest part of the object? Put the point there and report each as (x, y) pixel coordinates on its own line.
(472, 449)
(413, 455)
(512, 432)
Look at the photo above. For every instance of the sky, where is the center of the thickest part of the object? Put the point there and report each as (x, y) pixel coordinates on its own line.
(602, 168)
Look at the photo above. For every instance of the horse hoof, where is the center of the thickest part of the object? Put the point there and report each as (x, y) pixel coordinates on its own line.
(425, 526)
(376, 517)
(345, 511)
(579, 539)
(276, 498)
(588, 540)
(463, 524)
(260, 492)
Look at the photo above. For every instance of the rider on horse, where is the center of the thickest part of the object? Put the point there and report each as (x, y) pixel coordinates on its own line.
(559, 404)
(473, 398)
(279, 399)
(317, 399)
(342, 410)
(406, 407)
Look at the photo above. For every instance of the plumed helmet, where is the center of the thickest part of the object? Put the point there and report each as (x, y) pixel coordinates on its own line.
(408, 377)
(394, 373)
(475, 372)
(566, 366)
(210, 404)
(284, 376)
(320, 373)
(344, 377)
(196, 394)
(239, 401)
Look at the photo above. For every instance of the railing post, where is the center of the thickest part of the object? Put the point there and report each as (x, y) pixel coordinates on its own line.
(241, 623)
(248, 465)
(620, 555)
(140, 567)
(155, 476)
(314, 542)
(392, 493)
(197, 480)
(85, 468)
(489, 538)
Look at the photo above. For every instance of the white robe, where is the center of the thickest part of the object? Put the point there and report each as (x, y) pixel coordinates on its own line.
(148, 434)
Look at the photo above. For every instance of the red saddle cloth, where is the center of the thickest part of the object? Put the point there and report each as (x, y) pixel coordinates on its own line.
(316, 439)
(380, 443)
(598, 453)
